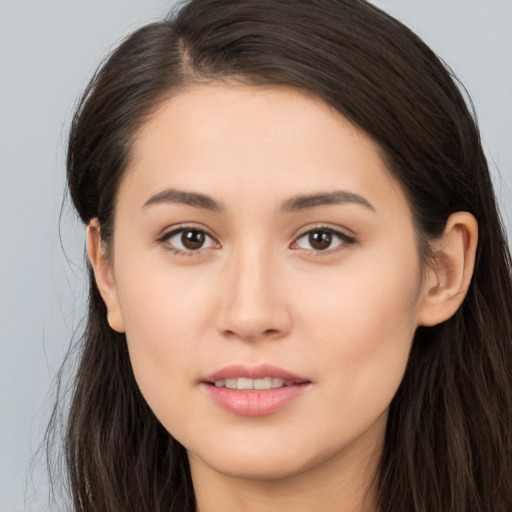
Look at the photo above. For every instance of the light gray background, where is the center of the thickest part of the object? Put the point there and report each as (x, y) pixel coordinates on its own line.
(48, 50)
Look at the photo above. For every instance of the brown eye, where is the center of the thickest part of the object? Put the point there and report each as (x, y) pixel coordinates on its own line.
(320, 240)
(188, 240)
(193, 239)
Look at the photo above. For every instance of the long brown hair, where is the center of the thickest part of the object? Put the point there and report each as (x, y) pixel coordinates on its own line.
(448, 444)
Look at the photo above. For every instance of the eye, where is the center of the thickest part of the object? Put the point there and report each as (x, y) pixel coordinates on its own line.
(322, 239)
(187, 240)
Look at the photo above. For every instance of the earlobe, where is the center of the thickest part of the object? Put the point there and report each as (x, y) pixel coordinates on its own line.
(449, 276)
(103, 275)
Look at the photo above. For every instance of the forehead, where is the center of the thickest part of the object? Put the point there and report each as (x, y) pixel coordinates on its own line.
(226, 112)
(250, 141)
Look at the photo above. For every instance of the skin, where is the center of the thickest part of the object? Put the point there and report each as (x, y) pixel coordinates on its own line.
(259, 292)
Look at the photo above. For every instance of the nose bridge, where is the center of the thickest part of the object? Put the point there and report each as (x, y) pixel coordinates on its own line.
(252, 303)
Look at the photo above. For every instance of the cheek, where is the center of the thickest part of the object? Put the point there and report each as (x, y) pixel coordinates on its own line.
(363, 320)
(364, 299)
(164, 313)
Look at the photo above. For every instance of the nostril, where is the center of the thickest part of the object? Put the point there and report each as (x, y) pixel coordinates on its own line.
(268, 333)
(257, 319)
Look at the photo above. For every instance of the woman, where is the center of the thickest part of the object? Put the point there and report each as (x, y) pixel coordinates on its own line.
(300, 292)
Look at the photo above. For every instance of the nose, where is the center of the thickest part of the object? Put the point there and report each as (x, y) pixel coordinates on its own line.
(252, 299)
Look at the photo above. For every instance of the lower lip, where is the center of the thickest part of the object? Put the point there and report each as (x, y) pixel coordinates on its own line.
(255, 402)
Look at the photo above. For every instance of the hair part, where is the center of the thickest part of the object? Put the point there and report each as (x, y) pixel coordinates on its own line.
(448, 445)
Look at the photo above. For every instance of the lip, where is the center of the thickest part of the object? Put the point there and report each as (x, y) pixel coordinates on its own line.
(254, 402)
(254, 372)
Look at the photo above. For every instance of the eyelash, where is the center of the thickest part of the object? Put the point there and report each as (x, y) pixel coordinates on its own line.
(344, 240)
(164, 240)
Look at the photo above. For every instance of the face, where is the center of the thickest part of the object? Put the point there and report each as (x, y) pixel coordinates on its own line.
(260, 242)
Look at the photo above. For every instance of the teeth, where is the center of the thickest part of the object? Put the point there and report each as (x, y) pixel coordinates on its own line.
(243, 383)
(262, 383)
(279, 383)
(230, 383)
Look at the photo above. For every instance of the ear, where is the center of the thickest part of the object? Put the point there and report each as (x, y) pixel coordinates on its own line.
(103, 275)
(448, 278)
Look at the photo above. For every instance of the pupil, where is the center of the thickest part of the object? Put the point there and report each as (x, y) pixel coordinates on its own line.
(320, 240)
(192, 239)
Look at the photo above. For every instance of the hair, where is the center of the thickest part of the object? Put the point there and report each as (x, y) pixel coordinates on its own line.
(448, 444)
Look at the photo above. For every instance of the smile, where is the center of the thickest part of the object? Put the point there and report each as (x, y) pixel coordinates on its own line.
(254, 390)
(246, 384)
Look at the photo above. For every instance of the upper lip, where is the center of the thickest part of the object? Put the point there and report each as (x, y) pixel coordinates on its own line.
(261, 371)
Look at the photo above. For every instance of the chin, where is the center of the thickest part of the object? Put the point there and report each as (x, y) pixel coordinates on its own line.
(264, 467)
(259, 460)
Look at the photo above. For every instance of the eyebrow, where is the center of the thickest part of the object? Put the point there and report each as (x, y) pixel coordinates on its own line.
(303, 202)
(297, 203)
(194, 199)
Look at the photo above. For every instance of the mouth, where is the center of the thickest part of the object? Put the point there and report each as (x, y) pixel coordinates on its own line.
(246, 384)
(254, 391)
(260, 377)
